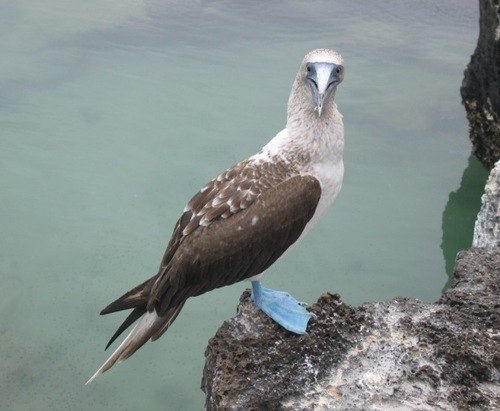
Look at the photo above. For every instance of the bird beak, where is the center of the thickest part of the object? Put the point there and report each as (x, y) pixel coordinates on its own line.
(323, 79)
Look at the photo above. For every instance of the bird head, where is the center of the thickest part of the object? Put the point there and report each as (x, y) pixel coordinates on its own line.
(322, 70)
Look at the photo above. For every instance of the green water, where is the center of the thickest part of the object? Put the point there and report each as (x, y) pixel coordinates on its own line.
(113, 113)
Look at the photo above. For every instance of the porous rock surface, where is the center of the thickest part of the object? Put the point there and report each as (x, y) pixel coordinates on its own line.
(396, 355)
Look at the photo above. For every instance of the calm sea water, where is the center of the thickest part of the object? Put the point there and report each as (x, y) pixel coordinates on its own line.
(112, 114)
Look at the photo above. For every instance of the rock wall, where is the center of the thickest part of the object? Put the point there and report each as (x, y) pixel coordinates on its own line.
(487, 228)
(481, 86)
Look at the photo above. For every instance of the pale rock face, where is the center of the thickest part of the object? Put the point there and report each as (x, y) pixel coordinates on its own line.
(487, 227)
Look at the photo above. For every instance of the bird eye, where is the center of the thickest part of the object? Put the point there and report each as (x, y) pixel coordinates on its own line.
(308, 68)
(338, 69)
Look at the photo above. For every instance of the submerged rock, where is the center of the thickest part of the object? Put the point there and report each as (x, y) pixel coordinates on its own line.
(481, 86)
(396, 355)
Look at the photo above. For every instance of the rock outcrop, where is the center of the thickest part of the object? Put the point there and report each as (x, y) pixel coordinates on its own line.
(395, 355)
(481, 86)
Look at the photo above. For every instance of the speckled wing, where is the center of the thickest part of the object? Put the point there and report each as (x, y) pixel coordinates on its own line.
(237, 234)
(229, 193)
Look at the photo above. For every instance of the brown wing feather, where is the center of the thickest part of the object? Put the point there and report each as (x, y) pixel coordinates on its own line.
(228, 251)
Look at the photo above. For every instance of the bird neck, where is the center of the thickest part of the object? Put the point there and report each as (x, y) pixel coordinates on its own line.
(322, 137)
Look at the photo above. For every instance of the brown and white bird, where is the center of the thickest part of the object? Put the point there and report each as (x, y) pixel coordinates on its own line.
(243, 220)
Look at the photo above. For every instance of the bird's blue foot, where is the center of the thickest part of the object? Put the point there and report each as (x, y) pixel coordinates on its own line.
(281, 307)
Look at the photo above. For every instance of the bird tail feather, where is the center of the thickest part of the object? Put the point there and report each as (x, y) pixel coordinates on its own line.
(150, 326)
(136, 297)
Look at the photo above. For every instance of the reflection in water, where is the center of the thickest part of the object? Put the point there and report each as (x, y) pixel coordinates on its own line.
(460, 213)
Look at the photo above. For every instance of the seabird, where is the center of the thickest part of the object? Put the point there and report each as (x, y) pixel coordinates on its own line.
(243, 220)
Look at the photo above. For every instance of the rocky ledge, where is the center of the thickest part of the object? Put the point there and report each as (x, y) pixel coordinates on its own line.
(395, 355)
